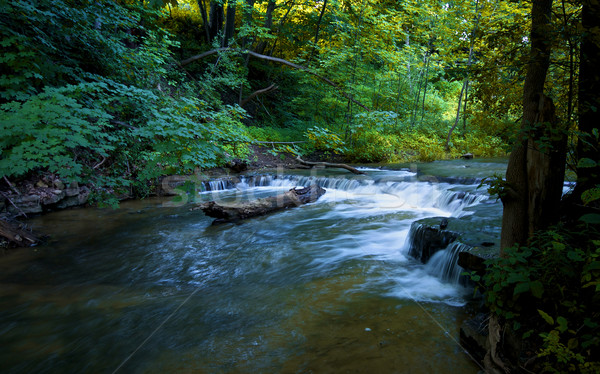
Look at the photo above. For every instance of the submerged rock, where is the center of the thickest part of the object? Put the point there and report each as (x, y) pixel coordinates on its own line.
(426, 239)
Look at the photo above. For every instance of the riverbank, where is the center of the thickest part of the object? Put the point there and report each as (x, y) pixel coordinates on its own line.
(45, 192)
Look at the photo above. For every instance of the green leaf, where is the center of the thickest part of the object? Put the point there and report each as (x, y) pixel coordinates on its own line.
(562, 324)
(520, 288)
(590, 195)
(537, 289)
(586, 163)
(546, 317)
(590, 218)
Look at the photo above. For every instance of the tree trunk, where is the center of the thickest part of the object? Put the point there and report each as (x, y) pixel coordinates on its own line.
(281, 22)
(318, 27)
(205, 24)
(216, 19)
(462, 90)
(589, 98)
(290, 199)
(262, 45)
(465, 86)
(229, 24)
(530, 196)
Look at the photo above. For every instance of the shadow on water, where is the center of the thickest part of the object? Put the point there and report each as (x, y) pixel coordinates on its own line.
(326, 287)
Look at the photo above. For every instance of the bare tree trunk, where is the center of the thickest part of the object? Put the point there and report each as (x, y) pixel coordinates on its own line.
(216, 19)
(281, 22)
(466, 80)
(426, 78)
(229, 23)
(205, 25)
(529, 194)
(465, 107)
(262, 45)
(318, 26)
(462, 90)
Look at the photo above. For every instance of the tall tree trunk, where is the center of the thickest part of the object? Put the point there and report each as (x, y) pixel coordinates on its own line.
(216, 19)
(535, 172)
(318, 27)
(281, 22)
(425, 81)
(589, 97)
(260, 48)
(456, 119)
(229, 23)
(205, 24)
(465, 107)
(464, 89)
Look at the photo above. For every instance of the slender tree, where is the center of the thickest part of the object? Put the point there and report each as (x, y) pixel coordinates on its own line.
(535, 173)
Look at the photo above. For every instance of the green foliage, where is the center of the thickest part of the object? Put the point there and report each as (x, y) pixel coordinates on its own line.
(324, 140)
(55, 131)
(552, 286)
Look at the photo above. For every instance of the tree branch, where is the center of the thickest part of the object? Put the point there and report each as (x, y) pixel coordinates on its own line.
(272, 87)
(280, 61)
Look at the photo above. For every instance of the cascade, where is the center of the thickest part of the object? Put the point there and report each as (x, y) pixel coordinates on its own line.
(443, 264)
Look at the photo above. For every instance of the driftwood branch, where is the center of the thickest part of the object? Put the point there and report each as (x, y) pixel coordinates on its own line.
(272, 87)
(280, 61)
(11, 186)
(233, 213)
(329, 165)
(17, 235)
(21, 212)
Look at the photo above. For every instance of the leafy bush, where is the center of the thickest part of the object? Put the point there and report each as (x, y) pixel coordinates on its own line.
(54, 131)
(552, 287)
(323, 139)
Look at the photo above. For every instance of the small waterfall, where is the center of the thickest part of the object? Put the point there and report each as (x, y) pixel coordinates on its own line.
(443, 264)
(401, 194)
(425, 240)
(456, 201)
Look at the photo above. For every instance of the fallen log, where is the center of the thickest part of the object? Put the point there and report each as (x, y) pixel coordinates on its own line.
(329, 165)
(232, 213)
(16, 235)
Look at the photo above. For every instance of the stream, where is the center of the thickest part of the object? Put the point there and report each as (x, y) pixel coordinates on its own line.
(326, 287)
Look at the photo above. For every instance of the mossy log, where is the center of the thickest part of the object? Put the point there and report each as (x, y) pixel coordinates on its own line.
(290, 199)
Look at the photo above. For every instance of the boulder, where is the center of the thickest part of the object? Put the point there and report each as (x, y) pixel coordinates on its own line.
(426, 239)
(28, 204)
(53, 197)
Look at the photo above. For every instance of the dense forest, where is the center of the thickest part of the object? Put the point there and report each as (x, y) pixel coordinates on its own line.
(116, 94)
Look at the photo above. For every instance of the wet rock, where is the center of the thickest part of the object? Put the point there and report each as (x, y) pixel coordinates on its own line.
(28, 204)
(53, 197)
(41, 184)
(72, 190)
(467, 156)
(474, 335)
(77, 200)
(58, 184)
(237, 165)
(426, 239)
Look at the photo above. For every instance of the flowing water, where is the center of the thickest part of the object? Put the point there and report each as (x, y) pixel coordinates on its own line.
(327, 287)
